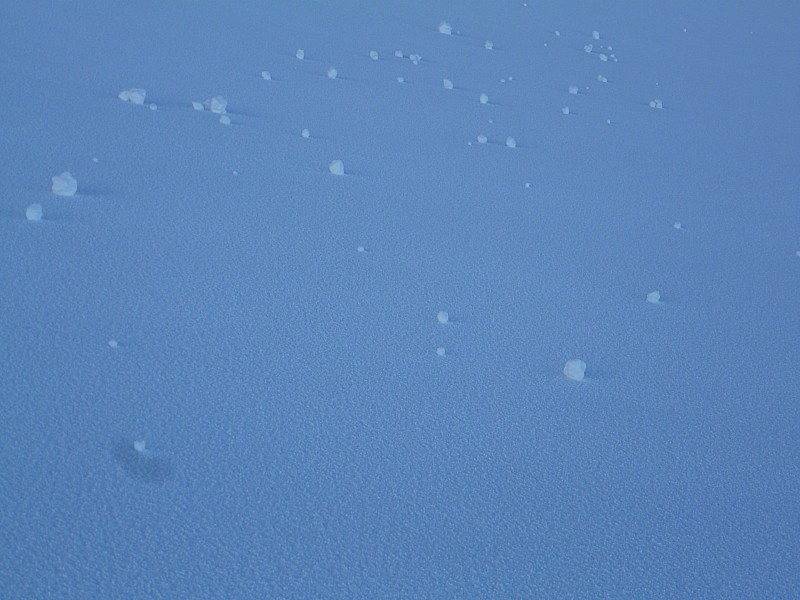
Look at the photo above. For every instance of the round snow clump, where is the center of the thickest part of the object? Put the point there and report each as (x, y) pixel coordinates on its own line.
(482, 139)
(656, 103)
(415, 58)
(527, 185)
(596, 35)
(300, 54)
(445, 28)
(448, 85)
(484, 99)
(153, 106)
(64, 184)
(398, 53)
(225, 120)
(511, 142)
(217, 105)
(654, 297)
(139, 446)
(602, 79)
(373, 54)
(197, 106)
(573, 89)
(133, 95)
(34, 212)
(401, 80)
(442, 317)
(604, 58)
(565, 110)
(305, 133)
(574, 369)
(266, 75)
(489, 44)
(588, 48)
(332, 73)
(113, 343)
(361, 249)
(336, 167)
(677, 225)
(440, 351)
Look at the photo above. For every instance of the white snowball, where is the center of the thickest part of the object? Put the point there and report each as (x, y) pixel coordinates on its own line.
(511, 142)
(217, 105)
(596, 35)
(34, 212)
(557, 32)
(332, 73)
(225, 120)
(440, 351)
(197, 106)
(300, 54)
(139, 446)
(398, 53)
(489, 44)
(113, 343)
(401, 80)
(602, 79)
(153, 106)
(484, 99)
(64, 184)
(565, 110)
(574, 369)
(573, 89)
(448, 85)
(482, 139)
(133, 95)
(527, 185)
(603, 57)
(95, 160)
(677, 225)
(656, 103)
(336, 167)
(443, 317)
(415, 58)
(445, 28)
(654, 297)
(373, 55)
(305, 133)
(361, 249)
(588, 48)
(266, 75)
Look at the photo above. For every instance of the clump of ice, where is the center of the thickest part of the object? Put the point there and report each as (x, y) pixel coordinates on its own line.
(677, 225)
(217, 105)
(588, 48)
(266, 75)
(415, 58)
(305, 133)
(573, 89)
(373, 54)
(527, 185)
(442, 317)
(440, 351)
(482, 139)
(565, 110)
(139, 446)
(604, 58)
(113, 343)
(336, 167)
(596, 34)
(656, 103)
(602, 79)
(484, 99)
(95, 160)
(401, 80)
(445, 28)
(489, 44)
(654, 297)
(225, 119)
(361, 249)
(64, 184)
(557, 32)
(197, 106)
(398, 53)
(448, 85)
(34, 212)
(133, 95)
(574, 369)
(332, 73)
(511, 142)
(300, 54)
(153, 106)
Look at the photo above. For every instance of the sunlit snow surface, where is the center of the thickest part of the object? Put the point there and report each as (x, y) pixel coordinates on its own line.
(226, 373)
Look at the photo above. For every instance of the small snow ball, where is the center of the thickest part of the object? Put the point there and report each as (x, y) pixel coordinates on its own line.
(332, 73)
(133, 95)
(198, 106)
(361, 249)
(573, 89)
(336, 167)
(484, 99)
(225, 119)
(415, 58)
(445, 28)
(373, 54)
(113, 343)
(557, 33)
(602, 79)
(442, 317)
(482, 139)
(95, 160)
(300, 54)
(604, 58)
(64, 184)
(656, 103)
(153, 106)
(34, 212)
(654, 297)
(527, 185)
(398, 53)
(305, 133)
(139, 446)
(588, 48)
(489, 44)
(565, 110)
(266, 75)
(574, 369)
(448, 85)
(401, 80)
(217, 105)
(596, 35)
(440, 351)
(511, 142)
(677, 225)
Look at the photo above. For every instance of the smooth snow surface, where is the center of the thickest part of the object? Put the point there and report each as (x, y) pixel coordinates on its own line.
(314, 427)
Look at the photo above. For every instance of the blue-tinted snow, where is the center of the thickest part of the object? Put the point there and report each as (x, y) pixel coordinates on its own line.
(298, 434)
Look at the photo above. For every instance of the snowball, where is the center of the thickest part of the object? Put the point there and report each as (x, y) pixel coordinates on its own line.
(482, 139)
(332, 73)
(565, 110)
(596, 35)
(484, 99)
(511, 142)
(401, 80)
(557, 32)
(677, 225)
(443, 317)
(300, 54)
(440, 351)
(398, 53)
(573, 89)
(415, 58)
(574, 369)
(197, 106)
(64, 184)
(153, 106)
(361, 249)
(373, 55)
(266, 75)
(217, 105)
(489, 44)
(225, 120)
(527, 185)
(602, 79)
(653, 297)
(588, 48)
(133, 95)
(113, 343)
(656, 103)
(448, 85)
(95, 160)
(305, 133)
(138, 445)
(797, 253)
(34, 212)
(445, 28)
(603, 57)
(336, 167)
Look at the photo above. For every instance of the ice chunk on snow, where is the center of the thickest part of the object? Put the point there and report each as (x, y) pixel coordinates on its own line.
(677, 225)
(225, 119)
(133, 95)
(448, 85)
(445, 28)
(300, 54)
(336, 167)
(373, 54)
(489, 44)
(596, 35)
(656, 103)
(574, 369)
(588, 48)
(602, 79)
(654, 297)
(34, 212)
(64, 184)
(604, 58)
(415, 58)
(401, 80)
(573, 89)
(442, 317)
(511, 142)
(565, 110)
(217, 105)
(440, 351)
(484, 99)
(482, 139)
(139, 446)
(305, 133)
(113, 343)
(197, 106)
(398, 53)
(332, 73)
(266, 75)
